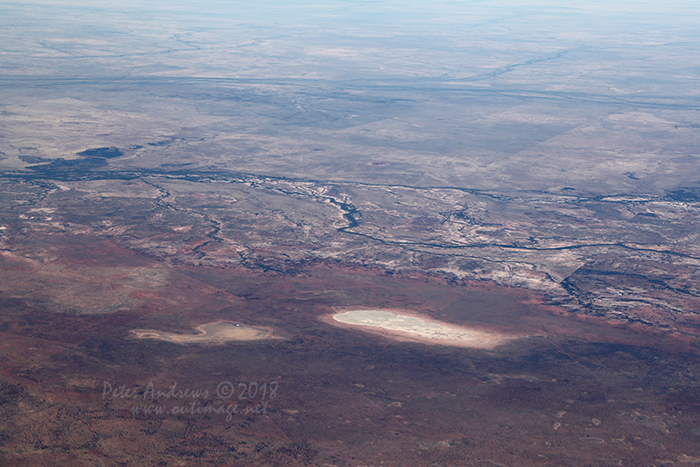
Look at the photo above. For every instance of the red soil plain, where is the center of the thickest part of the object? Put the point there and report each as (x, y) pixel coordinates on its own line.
(77, 388)
(528, 169)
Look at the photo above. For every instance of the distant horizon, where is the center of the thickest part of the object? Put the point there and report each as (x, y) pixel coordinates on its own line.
(349, 233)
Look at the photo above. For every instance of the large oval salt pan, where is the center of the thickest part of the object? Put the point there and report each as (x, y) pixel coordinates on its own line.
(403, 326)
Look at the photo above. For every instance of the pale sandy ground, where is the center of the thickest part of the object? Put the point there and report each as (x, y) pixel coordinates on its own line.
(404, 326)
(218, 332)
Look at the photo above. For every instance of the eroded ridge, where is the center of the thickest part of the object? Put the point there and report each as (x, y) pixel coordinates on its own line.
(217, 333)
(405, 326)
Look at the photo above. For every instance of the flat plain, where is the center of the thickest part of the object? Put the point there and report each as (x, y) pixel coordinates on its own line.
(522, 169)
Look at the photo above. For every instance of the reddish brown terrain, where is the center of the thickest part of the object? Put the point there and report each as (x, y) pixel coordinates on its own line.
(580, 390)
(191, 191)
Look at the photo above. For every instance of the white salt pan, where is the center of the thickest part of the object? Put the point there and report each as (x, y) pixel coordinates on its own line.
(404, 326)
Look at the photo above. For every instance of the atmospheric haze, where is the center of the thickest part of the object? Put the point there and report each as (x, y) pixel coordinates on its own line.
(457, 233)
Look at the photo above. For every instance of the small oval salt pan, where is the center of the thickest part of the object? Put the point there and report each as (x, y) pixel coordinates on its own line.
(218, 332)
